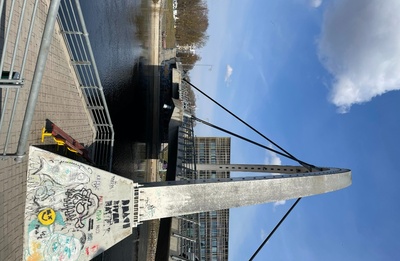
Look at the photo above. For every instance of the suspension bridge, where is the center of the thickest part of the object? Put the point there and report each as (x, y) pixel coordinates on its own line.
(76, 209)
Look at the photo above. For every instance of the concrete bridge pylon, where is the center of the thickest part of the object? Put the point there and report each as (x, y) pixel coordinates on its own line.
(175, 198)
(75, 208)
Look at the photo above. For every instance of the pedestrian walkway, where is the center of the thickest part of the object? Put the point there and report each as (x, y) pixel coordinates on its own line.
(60, 100)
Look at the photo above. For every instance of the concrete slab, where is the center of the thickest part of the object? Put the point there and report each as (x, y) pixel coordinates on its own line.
(59, 100)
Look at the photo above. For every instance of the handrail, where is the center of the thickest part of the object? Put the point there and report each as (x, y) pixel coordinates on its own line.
(69, 16)
(76, 38)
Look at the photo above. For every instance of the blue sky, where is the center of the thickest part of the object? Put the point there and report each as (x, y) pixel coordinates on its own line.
(321, 79)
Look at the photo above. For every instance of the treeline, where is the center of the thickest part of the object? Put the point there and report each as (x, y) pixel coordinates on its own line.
(191, 27)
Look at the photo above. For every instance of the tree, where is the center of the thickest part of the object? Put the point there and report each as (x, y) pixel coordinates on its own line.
(188, 60)
(192, 23)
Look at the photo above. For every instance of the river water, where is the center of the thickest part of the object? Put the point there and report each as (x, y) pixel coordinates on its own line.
(117, 50)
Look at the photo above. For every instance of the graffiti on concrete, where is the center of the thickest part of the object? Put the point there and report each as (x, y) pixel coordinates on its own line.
(47, 216)
(73, 211)
(80, 205)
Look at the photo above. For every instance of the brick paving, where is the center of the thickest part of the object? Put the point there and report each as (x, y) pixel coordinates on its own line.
(60, 100)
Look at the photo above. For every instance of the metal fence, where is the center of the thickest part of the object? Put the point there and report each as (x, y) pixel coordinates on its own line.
(15, 45)
(12, 69)
(76, 37)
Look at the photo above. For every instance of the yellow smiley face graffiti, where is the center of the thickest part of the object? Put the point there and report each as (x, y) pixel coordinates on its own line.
(47, 216)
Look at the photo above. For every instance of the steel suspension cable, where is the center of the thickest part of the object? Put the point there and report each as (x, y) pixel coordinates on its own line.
(253, 142)
(287, 155)
(273, 231)
(308, 166)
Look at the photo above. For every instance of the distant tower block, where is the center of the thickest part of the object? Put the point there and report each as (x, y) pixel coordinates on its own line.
(174, 198)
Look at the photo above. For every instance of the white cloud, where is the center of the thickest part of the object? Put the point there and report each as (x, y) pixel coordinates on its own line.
(262, 75)
(315, 3)
(279, 203)
(360, 46)
(272, 159)
(228, 73)
(263, 234)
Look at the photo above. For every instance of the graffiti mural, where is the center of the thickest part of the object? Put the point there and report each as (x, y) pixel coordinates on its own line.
(73, 211)
(79, 205)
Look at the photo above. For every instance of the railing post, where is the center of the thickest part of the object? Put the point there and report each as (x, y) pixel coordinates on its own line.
(37, 77)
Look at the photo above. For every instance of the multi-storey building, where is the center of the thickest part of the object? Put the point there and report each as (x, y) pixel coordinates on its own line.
(200, 236)
(203, 236)
(214, 225)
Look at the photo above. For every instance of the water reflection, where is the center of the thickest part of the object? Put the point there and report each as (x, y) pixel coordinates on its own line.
(119, 57)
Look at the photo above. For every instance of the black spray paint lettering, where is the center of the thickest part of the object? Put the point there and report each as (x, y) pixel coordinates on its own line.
(125, 213)
(113, 215)
(108, 213)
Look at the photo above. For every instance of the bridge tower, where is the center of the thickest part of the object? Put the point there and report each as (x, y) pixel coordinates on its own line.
(175, 198)
(78, 211)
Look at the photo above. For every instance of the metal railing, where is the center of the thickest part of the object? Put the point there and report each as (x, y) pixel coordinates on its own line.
(76, 37)
(69, 16)
(12, 70)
